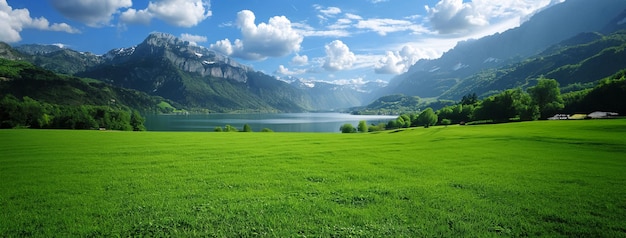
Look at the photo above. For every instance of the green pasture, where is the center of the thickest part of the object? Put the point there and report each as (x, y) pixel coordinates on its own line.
(545, 178)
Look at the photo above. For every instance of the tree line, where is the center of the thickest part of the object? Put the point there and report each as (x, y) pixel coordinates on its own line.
(246, 128)
(537, 102)
(29, 113)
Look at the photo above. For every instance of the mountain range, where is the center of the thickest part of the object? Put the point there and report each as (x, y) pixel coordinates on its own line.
(447, 77)
(573, 42)
(195, 77)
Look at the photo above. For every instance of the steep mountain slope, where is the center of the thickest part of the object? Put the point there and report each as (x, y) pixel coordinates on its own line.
(7, 52)
(194, 76)
(571, 65)
(60, 60)
(431, 78)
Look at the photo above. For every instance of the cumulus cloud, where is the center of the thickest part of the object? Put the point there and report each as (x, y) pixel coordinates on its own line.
(458, 17)
(183, 13)
(273, 39)
(338, 56)
(193, 39)
(133, 16)
(300, 60)
(455, 16)
(13, 21)
(287, 72)
(397, 62)
(93, 13)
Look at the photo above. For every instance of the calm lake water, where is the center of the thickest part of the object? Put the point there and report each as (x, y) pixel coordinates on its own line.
(279, 122)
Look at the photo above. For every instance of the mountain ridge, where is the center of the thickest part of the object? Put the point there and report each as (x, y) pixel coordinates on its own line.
(431, 78)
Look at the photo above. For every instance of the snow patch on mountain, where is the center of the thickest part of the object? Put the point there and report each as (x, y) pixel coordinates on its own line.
(491, 60)
(459, 66)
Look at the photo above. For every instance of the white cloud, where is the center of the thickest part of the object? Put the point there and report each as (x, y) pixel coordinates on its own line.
(94, 13)
(397, 62)
(384, 26)
(306, 30)
(224, 46)
(273, 39)
(300, 60)
(183, 13)
(458, 17)
(338, 56)
(325, 13)
(330, 11)
(13, 21)
(133, 16)
(353, 16)
(193, 39)
(287, 72)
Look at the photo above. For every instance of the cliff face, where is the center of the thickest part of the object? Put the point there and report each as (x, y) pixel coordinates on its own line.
(183, 55)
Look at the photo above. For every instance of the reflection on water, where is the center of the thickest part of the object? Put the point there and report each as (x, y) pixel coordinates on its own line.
(279, 122)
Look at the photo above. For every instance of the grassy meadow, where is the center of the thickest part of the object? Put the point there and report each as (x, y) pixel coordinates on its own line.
(544, 178)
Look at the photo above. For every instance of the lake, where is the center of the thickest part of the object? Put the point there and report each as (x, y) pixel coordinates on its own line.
(279, 122)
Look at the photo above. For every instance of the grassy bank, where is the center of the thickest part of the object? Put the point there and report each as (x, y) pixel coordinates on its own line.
(548, 178)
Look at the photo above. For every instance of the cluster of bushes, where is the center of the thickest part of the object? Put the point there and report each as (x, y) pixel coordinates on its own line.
(30, 113)
(246, 128)
(426, 118)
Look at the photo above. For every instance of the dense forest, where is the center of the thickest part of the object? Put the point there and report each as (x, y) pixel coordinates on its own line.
(32, 97)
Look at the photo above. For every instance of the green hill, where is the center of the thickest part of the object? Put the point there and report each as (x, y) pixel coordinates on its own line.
(37, 98)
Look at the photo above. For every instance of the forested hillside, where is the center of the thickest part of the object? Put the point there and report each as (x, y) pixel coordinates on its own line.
(574, 63)
(38, 98)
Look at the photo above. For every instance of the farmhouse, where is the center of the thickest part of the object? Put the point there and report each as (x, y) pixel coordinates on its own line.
(600, 115)
(593, 115)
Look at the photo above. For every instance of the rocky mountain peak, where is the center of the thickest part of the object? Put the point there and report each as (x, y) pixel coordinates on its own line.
(160, 39)
(183, 55)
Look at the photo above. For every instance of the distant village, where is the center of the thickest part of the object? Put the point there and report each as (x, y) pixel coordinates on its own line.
(593, 115)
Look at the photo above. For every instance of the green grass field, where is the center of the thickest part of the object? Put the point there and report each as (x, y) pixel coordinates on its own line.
(547, 178)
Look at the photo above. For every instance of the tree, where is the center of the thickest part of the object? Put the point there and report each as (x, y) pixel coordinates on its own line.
(362, 126)
(229, 128)
(246, 128)
(469, 99)
(406, 120)
(347, 128)
(218, 129)
(510, 104)
(446, 121)
(136, 121)
(266, 130)
(427, 118)
(547, 96)
(379, 127)
(392, 124)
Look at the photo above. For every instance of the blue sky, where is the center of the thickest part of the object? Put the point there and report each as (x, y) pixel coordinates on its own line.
(342, 41)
